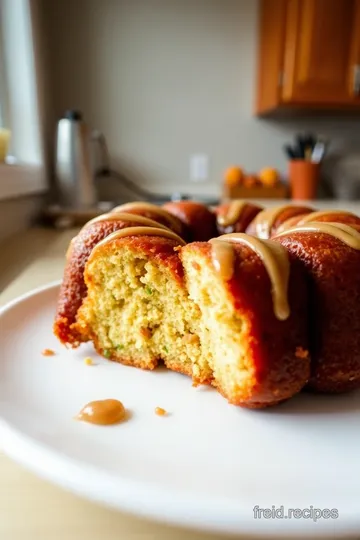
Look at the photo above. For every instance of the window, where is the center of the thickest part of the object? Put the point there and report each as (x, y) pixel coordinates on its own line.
(3, 87)
(4, 122)
(20, 104)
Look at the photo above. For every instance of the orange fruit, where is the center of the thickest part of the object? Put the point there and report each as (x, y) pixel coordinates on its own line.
(234, 176)
(251, 180)
(269, 176)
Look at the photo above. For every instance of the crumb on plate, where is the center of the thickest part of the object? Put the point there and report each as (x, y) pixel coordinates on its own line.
(88, 361)
(301, 353)
(160, 411)
(48, 352)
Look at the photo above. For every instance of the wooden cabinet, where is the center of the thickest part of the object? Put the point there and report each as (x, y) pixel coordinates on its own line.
(309, 54)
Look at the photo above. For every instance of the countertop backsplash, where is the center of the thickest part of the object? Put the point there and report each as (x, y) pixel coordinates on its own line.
(342, 176)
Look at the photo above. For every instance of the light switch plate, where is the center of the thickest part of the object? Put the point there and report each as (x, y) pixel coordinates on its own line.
(199, 167)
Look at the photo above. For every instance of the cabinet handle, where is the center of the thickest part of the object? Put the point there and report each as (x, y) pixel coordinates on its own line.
(356, 86)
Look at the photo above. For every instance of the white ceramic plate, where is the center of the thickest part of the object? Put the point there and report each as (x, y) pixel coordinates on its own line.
(207, 465)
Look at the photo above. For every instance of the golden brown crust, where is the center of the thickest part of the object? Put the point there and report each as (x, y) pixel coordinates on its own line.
(248, 213)
(288, 223)
(199, 220)
(333, 272)
(149, 365)
(172, 221)
(287, 212)
(332, 217)
(179, 368)
(273, 344)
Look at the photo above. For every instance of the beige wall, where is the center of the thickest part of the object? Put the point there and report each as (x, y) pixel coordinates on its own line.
(167, 78)
(17, 214)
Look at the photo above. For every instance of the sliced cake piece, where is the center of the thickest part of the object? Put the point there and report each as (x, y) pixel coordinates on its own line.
(73, 288)
(330, 256)
(242, 328)
(137, 310)
(253, 326)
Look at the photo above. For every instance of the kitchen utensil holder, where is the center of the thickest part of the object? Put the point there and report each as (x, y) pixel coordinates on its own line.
(304, 178)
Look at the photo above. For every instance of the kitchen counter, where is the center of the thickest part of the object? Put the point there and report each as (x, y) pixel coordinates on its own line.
(30, 507)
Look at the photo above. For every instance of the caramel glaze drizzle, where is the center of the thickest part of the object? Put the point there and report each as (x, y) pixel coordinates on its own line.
(233, 213)
(345, 233)
(103, 412)
(265, 220)
(274, 257)
(223, 258)
(123, 216)
(148, 206)
(120, 216)
(289, 223)
(138, 231)
(314, 216)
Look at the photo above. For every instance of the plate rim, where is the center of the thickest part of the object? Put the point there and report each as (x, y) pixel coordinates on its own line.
(136, 498)
(25, 296)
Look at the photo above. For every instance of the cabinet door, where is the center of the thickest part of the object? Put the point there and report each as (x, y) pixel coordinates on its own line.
(320, 51)
(272, 19)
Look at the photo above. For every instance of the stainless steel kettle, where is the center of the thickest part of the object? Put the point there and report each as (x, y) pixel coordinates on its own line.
(77, 163)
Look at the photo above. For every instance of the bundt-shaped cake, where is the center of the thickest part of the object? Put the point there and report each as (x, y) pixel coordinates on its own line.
(259, 316)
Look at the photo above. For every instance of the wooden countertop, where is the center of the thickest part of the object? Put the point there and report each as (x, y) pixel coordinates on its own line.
(31, 508)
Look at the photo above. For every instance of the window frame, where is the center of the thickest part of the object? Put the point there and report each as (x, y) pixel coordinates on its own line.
(26, 173)
(4, 117)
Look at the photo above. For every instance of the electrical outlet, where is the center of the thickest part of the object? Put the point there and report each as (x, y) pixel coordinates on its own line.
(199, 165)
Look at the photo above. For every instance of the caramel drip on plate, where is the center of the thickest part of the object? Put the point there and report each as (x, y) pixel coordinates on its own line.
(274, 257)
(345, 233)
(265, 220)
(148, 206)
(104, 412)
(123, 216)
(313, 216)
(233, 213)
